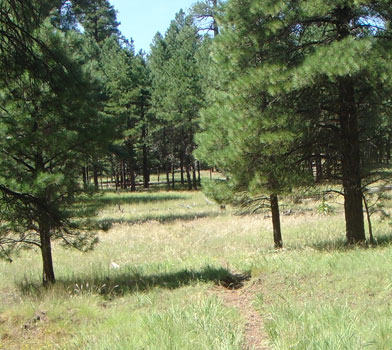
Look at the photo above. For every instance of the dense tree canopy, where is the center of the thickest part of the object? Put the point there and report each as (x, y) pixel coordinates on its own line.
(176, 91)
(313, 74)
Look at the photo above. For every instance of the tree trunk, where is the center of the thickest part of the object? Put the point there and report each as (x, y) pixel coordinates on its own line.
(198, 173)
(85, 183)
(173, 176)
(349, 144)
(168, 178)
(182, 169)
(351, 160)
(117, 178)
(319, 168)
(132, 178)
(46, 251)
(95, 175)
(215, 23)
(194, 175)
(276, 221)
(146, 171)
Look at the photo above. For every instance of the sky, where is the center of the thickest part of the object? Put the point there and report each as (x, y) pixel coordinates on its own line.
(142, 19)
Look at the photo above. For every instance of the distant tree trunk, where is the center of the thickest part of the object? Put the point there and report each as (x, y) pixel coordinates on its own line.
(132, 178)
(328, 166)
(319, 168)
(194, 176)
(182, 168)
(276, 221)
(388, 150)
(122, 175)
(117, 178)
(198, 173)
(46, 251)
(168, 178)
(173, 176)
(85, 182)
(146, 170)
(95, 175)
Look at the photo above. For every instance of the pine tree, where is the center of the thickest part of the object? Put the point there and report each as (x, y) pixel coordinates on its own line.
(205, 14)
(48, 124)
(176, 92)
(98, 18)
(322, 67)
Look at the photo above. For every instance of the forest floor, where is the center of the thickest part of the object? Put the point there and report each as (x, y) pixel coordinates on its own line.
(174, 271)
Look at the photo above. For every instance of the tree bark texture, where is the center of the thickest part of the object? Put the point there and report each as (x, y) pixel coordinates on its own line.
(46, 251)
(95, 175)
(146, 170)
(276, 221)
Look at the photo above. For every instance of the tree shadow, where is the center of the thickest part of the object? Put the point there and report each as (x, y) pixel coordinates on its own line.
(162, 218)
(341, 244)
(122, 281)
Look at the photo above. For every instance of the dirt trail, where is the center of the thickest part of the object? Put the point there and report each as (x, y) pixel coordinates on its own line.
(242, 300)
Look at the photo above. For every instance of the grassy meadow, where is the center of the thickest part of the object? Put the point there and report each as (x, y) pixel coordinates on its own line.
(153, 281)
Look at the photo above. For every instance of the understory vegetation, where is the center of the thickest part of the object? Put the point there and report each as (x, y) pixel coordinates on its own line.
(157, 279)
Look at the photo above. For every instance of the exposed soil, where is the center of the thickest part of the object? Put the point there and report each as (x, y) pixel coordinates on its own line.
(242, 299)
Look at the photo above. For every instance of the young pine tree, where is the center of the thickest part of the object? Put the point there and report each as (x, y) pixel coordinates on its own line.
(48, 123)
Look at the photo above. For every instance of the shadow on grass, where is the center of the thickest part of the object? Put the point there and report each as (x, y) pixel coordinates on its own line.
(123, 281)
(165, 218)
(341, 244)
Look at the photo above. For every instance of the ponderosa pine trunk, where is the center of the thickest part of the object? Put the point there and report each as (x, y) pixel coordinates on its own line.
(168, 178)
(351, 164)
(85, 179)
(276, 221)
(95, 175)
(198, 173)
(350, 145)
(146, 170)
(182, 169)
(132, 178)
(46, 251)
(173, 176)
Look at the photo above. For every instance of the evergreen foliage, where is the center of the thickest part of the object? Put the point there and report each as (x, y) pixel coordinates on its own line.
(177, 93)
(49, 122)
(305, 78)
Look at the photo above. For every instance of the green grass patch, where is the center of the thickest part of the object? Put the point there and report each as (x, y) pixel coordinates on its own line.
(170, 249)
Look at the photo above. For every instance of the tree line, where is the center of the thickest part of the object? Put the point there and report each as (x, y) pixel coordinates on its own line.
(276, 95)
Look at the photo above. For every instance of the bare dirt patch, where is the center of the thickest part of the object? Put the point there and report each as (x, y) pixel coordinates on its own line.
(242, 299)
